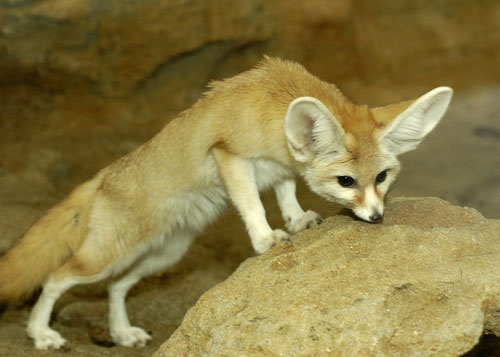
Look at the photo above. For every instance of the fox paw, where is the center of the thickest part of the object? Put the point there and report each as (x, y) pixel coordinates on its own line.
(307, 220)
(265, 243)
(46, 338)
(130, 336)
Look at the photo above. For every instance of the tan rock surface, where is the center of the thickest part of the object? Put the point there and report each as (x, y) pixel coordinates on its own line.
(425, 282)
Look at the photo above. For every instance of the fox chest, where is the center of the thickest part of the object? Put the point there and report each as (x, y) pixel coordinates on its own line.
(268, 173)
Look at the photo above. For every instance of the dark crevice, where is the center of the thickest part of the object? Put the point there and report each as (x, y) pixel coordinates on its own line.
(19, 3)
(172, 61)
(224, 49)
(488, 346)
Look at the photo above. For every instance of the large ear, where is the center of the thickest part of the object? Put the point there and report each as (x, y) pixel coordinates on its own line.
(415, 121)
(311, 128)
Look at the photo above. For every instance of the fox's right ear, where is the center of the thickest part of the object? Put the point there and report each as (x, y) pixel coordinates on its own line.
(416, 119)
(311, 128)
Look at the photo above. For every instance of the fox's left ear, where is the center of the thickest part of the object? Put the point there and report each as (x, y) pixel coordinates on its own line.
(414, 122)
(310, 128)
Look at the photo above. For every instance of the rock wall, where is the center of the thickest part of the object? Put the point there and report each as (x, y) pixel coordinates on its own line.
(119, 47)
(84, 81)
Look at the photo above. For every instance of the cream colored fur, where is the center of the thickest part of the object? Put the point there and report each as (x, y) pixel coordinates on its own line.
(255, 131)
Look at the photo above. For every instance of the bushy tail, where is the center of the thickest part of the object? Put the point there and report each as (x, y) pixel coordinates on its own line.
(46, 245)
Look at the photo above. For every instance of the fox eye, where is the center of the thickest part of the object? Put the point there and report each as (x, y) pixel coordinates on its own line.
(345, 181)
(381, 177)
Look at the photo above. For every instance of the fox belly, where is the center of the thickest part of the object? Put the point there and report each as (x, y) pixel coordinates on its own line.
(193, 211)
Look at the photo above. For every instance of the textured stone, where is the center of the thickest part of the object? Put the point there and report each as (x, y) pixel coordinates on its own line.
(117, 45)
(425, 282)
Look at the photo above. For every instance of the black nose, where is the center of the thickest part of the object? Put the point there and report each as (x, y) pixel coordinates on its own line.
(376, 217)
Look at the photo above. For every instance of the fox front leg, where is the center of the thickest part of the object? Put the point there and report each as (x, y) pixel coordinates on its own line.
(296, 219)
(239, 178)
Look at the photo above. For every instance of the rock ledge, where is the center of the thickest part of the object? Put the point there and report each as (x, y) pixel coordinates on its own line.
(425, 282)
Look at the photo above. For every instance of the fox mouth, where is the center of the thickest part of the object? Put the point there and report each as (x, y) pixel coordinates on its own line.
(371, 216)
(374, 220)
(347, 211)
(379, 219)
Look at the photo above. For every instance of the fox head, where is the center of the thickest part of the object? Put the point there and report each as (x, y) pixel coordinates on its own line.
(350, 157)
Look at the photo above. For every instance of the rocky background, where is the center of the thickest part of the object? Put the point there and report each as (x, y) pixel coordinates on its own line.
(83, 82)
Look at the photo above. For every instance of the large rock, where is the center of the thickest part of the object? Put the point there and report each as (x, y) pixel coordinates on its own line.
(425, 282)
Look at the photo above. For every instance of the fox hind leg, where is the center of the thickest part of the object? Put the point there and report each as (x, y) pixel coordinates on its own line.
(38, 325)
(84, 267)
(170, 253)
(70, 275)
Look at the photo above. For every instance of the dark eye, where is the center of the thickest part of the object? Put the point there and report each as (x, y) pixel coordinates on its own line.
(381, 177)
(346, 181)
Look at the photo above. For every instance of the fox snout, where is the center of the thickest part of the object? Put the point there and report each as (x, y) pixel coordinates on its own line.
(376, 217)
(372, 215)
(370, 207)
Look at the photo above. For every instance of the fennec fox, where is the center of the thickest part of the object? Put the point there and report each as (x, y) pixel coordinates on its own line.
(254, 131)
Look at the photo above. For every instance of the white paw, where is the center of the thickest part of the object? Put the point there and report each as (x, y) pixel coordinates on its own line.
(307, 220)
(130, 336)
(45, 338)
(265, 243)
